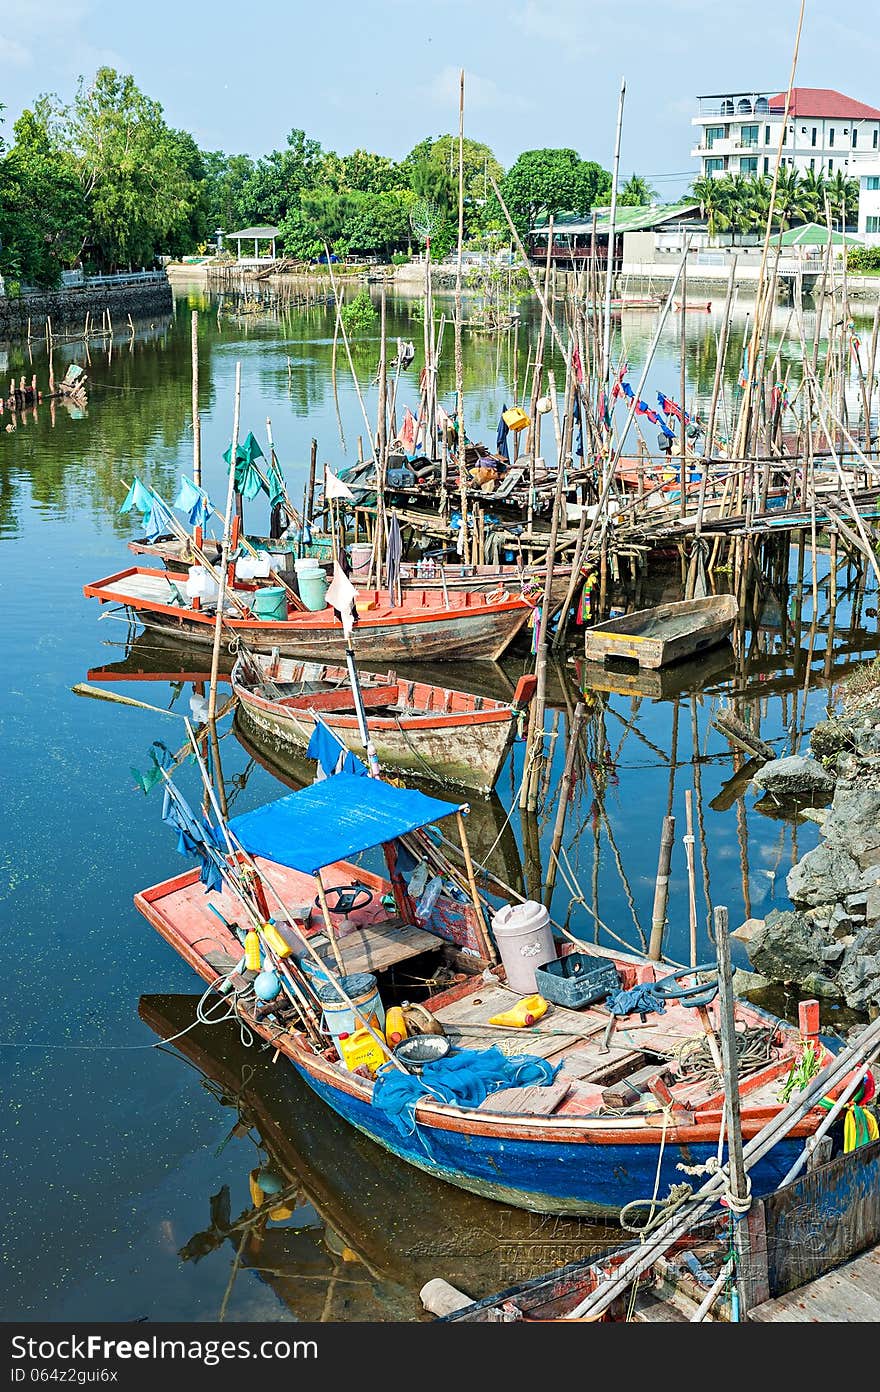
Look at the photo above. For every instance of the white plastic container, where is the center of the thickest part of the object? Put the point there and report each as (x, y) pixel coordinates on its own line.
(525, 941)
(253, 567)
(201, 584)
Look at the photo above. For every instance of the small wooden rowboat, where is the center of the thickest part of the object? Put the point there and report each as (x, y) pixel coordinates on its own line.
(422, 628)
(417, 728)
(657, 637)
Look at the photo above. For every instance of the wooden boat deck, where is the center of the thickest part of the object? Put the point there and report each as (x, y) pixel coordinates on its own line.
(155, 586)
(380, 941)
(850, 1294)
(575, 1039)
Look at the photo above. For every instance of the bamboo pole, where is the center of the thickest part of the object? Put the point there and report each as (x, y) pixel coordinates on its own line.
(562, 805)
(692, 887)
(486, 947)
(612, 228)
(739, 1186)
(661, 890)
(224, 552)
(461, 441)
(196, 419)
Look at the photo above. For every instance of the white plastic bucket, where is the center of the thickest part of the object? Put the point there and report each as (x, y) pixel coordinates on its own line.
(525, 941)
(201, 584)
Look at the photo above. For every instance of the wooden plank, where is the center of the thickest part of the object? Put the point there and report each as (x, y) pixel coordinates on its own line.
(375, 949)
(526, 1101)
(849, 1294)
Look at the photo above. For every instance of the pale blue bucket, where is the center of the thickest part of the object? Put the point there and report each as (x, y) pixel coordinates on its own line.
(363, 992)
(270, 604)
(312, 585)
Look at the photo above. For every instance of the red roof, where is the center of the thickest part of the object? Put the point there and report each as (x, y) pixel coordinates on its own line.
(824, 102)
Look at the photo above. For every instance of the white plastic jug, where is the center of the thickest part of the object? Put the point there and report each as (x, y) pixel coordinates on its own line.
(525, 941)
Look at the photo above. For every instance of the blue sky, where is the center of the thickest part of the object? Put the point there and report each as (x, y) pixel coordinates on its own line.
(383, 73)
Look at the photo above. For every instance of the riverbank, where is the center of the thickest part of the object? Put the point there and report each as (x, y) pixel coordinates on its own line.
(139, 296)
(828, 944)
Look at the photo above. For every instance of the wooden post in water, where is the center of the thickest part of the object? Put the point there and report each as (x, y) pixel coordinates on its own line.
(661, 890)
(739, 1187)
(224, 553)
(313, 464)
(562, 805)
(692, 887)
(196, 420)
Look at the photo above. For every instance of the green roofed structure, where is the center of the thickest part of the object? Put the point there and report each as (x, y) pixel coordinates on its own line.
(814, 234)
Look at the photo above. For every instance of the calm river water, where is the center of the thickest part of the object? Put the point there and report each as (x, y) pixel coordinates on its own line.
(112, 1147)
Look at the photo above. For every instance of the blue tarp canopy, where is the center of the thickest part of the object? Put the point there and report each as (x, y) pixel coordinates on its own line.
(334, 820)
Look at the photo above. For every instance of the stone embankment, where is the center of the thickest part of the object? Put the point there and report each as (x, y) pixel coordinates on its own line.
(828, 944)
(146, 298)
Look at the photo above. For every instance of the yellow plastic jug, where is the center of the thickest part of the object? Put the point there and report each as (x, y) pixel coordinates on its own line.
(273, 938)
(395, 1025)
(252, 951)
(527, 1011)
(361, 1048)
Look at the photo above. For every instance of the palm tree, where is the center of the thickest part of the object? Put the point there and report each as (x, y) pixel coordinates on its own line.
(788, 205)
(813, 191)
(637, 192)
(714, 198)
(843, 197)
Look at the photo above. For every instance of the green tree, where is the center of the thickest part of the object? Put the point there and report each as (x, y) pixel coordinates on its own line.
(551, 182)
(637, 193)
(43, 214)
(361, 172)
(715, 203)
(138, 178)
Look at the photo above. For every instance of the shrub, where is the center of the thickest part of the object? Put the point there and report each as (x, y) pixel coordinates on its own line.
(399, 258)
(863, 259)
(359, 314)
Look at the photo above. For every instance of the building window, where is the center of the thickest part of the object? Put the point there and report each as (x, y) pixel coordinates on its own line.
(872, 224)
(766, 135)
(766, 165)
(714, 166)
(713, 133)
(872, 183)
(814, 137)
(830, 166)
(749, 136)
(812, 164)
(876, 134)
(748, 166)
(855, 138)
(831, 137)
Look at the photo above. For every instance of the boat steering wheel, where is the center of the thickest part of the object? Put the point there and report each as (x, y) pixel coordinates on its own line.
(348, 897)
(693, 997)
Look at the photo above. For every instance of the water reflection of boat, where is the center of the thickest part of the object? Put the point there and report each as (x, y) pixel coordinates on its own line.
(661, 683)
(148, 658)
(358, 1250)
(490, 832)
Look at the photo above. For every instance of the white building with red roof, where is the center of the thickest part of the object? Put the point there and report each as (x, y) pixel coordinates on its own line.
(738, 132)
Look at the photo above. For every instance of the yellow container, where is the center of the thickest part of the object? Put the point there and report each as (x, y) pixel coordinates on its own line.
(252, 952)
(274, 939)
(515, 419)
(395, 1025)
(361, 1048)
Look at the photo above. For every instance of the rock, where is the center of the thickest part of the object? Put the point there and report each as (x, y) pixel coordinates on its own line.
(859, 975)
(825, 875)
(821, 986)
(831, 737)
(795, 778)
(787, 948)
(748, 982)
(832, 952)
(814, 814)
(745, 930)
(854, 822)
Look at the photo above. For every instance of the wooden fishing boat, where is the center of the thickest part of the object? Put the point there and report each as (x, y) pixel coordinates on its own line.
(431, 731)
(485, 579)
(177, 554)
(423, 626)
(657, 637)
(591, 1141)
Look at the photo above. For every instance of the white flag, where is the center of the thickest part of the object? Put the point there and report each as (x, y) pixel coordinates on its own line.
(334, 487)
(341, 594)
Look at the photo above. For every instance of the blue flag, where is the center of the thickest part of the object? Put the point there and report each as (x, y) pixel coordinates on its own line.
(137, 497)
